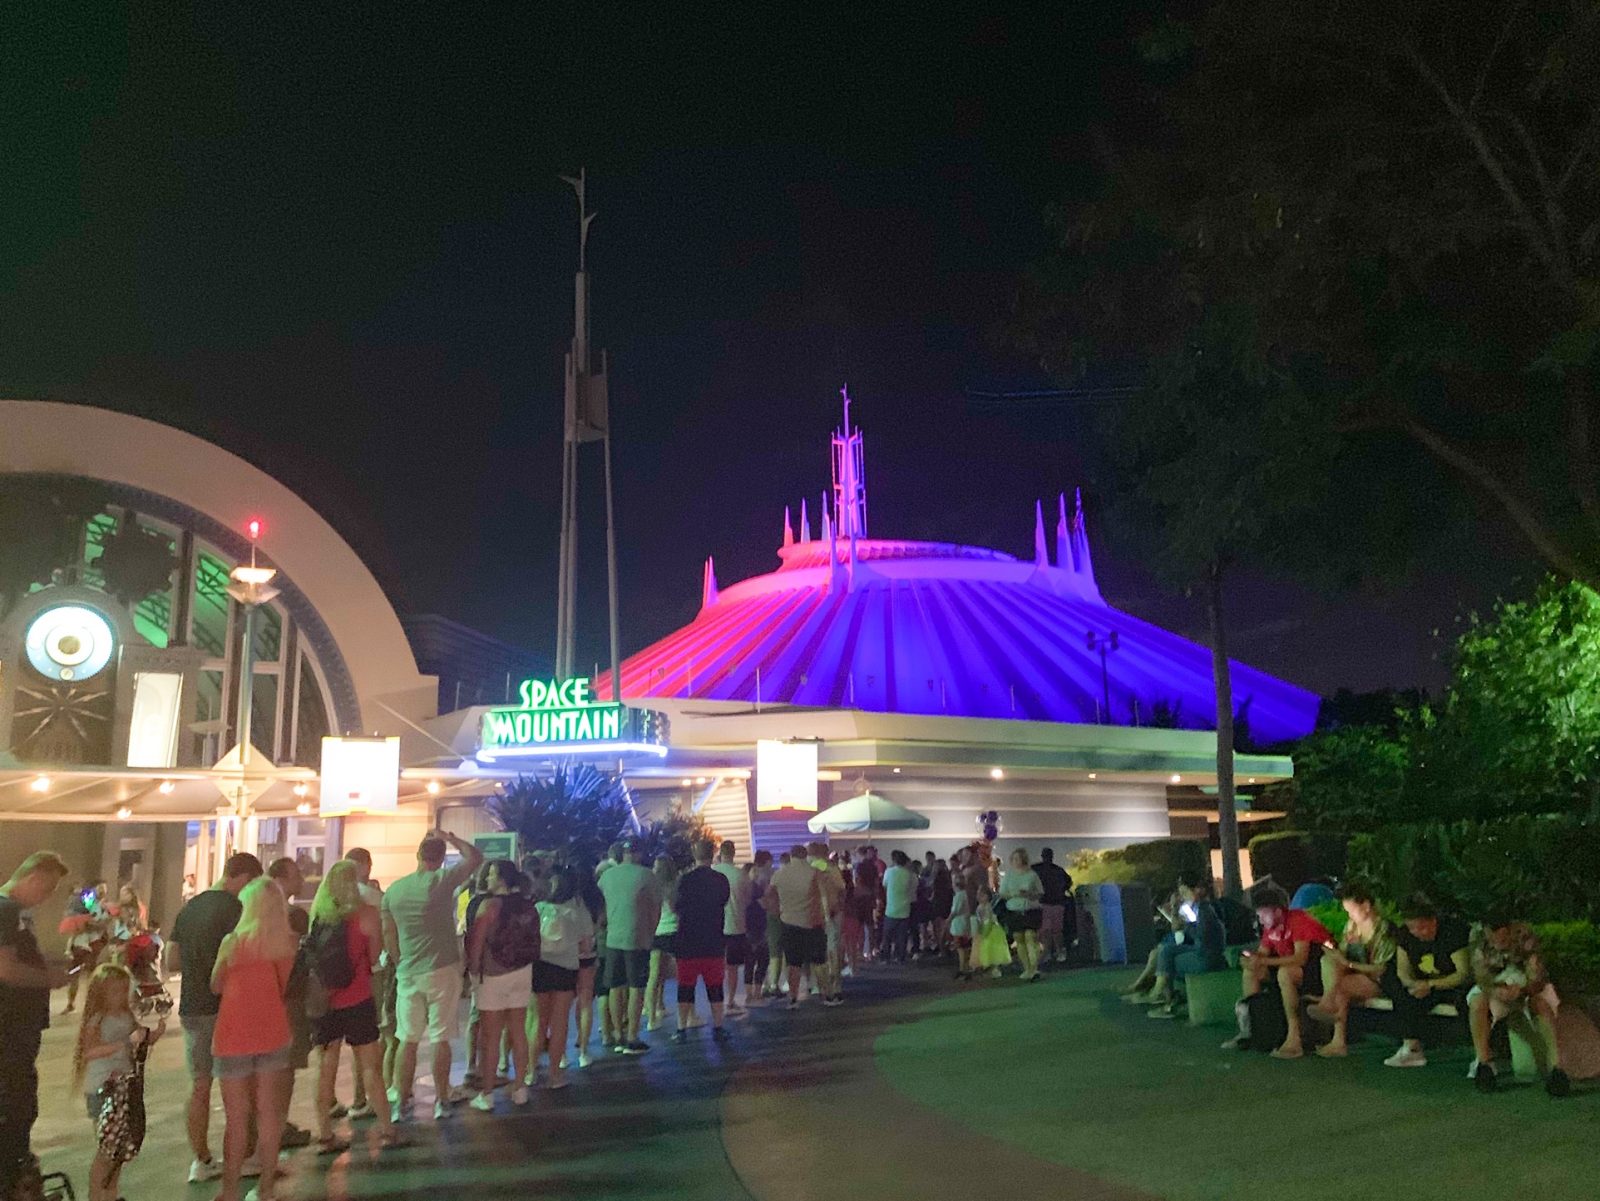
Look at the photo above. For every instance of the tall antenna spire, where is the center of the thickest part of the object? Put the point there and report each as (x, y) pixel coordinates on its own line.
(1064, 555)
(849, 477)
(587, 419)
(788, 527)
(1041, 557)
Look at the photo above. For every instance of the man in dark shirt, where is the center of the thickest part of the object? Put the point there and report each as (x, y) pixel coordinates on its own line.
(25, 984)
(1053, 942)
(702, 901)
(1432, 966)
(201, 925)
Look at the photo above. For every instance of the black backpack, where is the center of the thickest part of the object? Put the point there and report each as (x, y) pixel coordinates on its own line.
(328, 955)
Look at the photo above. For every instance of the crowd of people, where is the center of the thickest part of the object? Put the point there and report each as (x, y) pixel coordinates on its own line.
(555, 960)
(1491, 972)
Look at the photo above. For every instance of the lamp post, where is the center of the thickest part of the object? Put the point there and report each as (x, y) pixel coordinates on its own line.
(1106, 644)
(250, 586)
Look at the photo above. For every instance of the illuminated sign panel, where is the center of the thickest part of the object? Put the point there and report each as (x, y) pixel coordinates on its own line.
(359, 775)
(559, 717)
(786, 776)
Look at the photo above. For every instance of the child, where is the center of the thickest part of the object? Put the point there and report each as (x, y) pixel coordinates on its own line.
(106, 1041)
(963, 919)
(990, 947)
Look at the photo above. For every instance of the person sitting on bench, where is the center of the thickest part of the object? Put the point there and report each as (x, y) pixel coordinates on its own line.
(1432, 965)
(1199, 944)
(1360, 964)
(1512, 987)
(1289, 939)
(1145, 990)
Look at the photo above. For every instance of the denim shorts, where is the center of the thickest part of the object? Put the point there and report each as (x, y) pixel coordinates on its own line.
(197, 1032)
(237, 1067)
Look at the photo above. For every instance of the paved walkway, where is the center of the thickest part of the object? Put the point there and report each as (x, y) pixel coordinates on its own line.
(790, 1109)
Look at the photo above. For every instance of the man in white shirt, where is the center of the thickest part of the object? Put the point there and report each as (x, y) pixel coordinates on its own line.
(733, 927)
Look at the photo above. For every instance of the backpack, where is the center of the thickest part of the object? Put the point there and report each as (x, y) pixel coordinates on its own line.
(325, 951)
(514, 938)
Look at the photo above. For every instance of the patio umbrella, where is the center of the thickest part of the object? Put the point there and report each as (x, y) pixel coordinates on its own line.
(864, 813)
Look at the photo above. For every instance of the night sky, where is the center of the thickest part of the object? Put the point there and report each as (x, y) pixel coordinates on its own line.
(336, 243)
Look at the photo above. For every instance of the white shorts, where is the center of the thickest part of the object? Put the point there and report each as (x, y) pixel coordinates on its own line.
(425, 1006)
(1500, 1010)
(511, 990)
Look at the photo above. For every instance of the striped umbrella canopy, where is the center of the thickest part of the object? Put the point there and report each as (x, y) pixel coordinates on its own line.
(864, 813)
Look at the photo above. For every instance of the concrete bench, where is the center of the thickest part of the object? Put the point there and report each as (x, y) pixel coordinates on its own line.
(1382, 1004)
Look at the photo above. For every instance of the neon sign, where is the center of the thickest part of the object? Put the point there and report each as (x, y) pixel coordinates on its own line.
(561, 717)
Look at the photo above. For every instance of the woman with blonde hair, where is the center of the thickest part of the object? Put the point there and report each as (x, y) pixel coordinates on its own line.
(250, 1046)
(342, 921)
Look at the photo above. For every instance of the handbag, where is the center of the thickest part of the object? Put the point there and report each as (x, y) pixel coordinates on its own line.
(121, 1125)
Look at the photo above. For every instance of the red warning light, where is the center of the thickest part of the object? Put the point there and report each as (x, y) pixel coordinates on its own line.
(253, 528)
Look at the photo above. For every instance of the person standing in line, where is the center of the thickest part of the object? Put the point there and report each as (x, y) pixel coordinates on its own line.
(831, 881)
(899, 891)
(633, 908)
(197, 935)
(502, 946)
(286, 874)
(361, 1106)
(250, 1041)
(944, 895)
(25, 984)
(87, 923)
(1057, 887)
(798, 886)
(866, 902)
(703, 899)
(419, 934)
(963, 922)
(663, 947)
(1019, 894)
(755, 924)
(339, 911)
(565, 931)
(735, 929)
(590, 984)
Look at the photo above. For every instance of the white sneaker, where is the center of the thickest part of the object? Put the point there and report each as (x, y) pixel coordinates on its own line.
(1405, 1057)
(251, 1167)
(519, 1095)
(202, 1170)
(848, 971)
(483, 1102)
(583, 1059)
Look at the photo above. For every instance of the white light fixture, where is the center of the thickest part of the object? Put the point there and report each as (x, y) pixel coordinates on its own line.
(897, 771)
(433, 788)
(996, 773)
(303, 808)
(166, 788)
(685, 782)
(1251, 780)
(302, 790)
(40, 784)
(700, 780)
(1176, 778)
(124, 813)
(1094, 775)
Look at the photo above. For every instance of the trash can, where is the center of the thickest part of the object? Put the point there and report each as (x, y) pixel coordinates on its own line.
(1138, 922)
(1102, 905)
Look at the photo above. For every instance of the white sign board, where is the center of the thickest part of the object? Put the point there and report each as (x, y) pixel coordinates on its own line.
(359, 775)
(786, 776)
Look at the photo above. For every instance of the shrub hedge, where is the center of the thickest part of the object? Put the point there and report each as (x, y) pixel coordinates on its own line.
(1291, 857)
(1158, 864)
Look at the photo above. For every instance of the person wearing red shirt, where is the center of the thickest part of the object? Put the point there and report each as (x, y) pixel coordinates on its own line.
(1288, 937)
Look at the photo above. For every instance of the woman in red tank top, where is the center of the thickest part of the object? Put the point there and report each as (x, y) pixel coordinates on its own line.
(352, 1017)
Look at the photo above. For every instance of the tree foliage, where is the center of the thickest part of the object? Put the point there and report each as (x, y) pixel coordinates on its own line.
(576, 811)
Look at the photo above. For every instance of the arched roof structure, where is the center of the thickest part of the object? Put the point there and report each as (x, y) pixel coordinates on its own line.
(168, 473)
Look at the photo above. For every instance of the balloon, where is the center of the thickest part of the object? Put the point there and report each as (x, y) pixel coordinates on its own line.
(989, 824)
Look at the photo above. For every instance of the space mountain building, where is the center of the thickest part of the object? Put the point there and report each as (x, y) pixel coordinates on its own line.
(953, 680)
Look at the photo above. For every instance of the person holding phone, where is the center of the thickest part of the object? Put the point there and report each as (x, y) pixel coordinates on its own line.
(1360, 964)
(1197, 946)
(1289, 939)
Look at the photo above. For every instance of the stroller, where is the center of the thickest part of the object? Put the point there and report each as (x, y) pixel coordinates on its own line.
(140, 954)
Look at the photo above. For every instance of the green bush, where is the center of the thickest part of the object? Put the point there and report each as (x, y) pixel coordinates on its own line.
(1540, 869)
(1572, 956)
(1158, 864)
(1332, 915)
(1291, 857)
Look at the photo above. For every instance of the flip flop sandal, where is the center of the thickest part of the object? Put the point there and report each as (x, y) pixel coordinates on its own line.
(332, 1146)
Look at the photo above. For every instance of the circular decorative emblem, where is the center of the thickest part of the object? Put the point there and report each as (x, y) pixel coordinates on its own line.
(69, 642)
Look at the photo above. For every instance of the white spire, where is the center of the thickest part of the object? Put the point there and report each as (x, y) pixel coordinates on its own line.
(1041, 556)
(805, 522)
(849, 477)
(1064, 555)
(788, 526)
(708, 585)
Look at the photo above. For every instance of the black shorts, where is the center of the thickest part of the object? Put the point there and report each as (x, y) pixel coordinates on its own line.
(738, 945)
(551, 977)
(356, 1026)
(1028, 919)
(627, 969)
(667, 944)
(805, 945)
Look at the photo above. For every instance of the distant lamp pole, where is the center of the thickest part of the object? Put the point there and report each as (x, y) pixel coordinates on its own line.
(251, 587)
(1107, 644)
